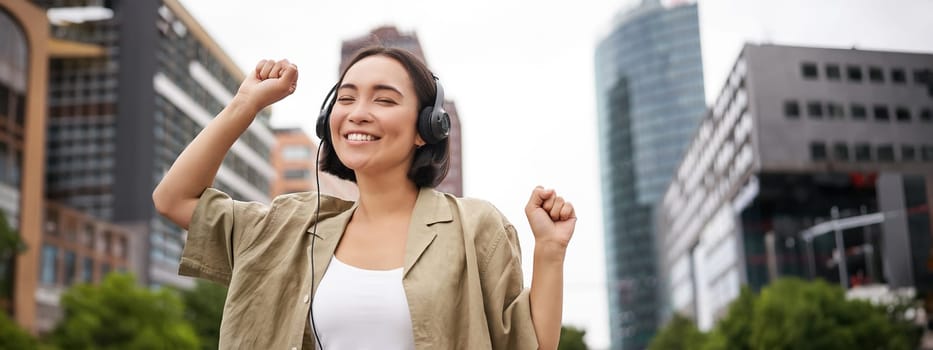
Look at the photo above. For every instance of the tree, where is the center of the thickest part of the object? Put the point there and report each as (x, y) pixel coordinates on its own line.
(795, 314)
(118, 314)
(680, 333)
(571, 338)
(734, 330)
(204, 306)
(10, 245)
(12, 337)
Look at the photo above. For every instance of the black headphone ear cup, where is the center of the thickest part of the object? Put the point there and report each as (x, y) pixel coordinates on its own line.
(433, 127)
(322, 127)
(424, 125)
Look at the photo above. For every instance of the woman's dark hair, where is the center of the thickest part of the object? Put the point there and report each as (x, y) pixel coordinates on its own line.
(431, 161)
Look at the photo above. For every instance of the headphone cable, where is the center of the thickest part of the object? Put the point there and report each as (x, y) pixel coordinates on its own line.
(314, 236)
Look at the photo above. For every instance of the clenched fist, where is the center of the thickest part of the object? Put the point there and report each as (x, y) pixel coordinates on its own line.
(552, 219)
(269, 83)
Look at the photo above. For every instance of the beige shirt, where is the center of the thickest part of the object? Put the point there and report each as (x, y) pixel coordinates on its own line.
(462, 274)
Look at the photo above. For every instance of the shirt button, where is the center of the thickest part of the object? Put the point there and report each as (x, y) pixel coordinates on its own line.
(294, 348)
(306, 298)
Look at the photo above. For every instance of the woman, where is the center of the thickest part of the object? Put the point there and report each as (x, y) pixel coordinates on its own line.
(403, 267)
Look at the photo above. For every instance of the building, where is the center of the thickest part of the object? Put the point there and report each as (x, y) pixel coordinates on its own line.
(798, 140)
(76, 248)
(24, 34)
(649, 85)
(52, 258)
(293, 160)
(117, 122)
(390, 37)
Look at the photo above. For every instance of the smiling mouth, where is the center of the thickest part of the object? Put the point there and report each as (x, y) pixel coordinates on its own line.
(360, 137)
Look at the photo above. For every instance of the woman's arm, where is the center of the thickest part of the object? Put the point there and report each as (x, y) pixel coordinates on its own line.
(177, 194)
(552, 221)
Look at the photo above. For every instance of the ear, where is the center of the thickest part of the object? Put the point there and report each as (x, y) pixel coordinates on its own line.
(419, 142)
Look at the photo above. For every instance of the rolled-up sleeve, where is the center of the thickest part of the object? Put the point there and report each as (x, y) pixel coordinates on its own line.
(218, 227)
(507, 301)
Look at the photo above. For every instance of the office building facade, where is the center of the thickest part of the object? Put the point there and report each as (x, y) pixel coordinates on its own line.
(649, 85)
(797, 138)
(118, 122)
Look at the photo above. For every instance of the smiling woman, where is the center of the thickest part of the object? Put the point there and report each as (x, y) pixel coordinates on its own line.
(404, 267)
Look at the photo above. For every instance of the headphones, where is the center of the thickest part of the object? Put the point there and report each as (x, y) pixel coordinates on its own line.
(433, 121)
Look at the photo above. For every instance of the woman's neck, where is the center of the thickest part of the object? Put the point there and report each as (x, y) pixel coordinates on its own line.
(384, 197)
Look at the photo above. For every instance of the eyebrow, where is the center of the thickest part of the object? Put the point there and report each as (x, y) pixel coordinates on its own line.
(377, 87)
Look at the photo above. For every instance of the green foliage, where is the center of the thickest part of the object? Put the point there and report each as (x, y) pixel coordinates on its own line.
(796, 314)
(204, 306)
(571, 338)
(12, 337)
(680, 333)
(10, 245)
(118, 314)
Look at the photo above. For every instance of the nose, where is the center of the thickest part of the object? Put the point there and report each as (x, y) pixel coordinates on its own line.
(359, 113)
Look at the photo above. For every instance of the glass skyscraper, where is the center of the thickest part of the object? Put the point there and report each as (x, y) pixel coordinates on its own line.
(649, 84)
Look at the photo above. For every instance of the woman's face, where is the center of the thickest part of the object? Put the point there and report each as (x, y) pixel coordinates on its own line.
(373, 119)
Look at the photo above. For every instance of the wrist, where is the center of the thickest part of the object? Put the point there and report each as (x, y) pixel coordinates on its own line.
(243, 104)
(550, 251)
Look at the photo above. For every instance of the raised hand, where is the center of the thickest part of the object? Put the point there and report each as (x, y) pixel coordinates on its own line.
(270, 82)
(552, 219)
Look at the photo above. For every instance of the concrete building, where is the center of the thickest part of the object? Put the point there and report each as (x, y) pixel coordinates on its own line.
(117, 122)
(52, 259)
(798, 137)
(390, 37)
(293, 160)
(649, 84)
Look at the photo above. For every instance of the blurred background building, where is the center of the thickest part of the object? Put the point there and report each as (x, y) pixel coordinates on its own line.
(649, 85)
(799, 137)
(97, 99)
(117, 122)
(293, 160)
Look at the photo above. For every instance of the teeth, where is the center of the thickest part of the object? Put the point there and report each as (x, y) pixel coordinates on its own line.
(360, 137)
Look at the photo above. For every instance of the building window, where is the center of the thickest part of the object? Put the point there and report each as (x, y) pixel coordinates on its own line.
(791, 109)
(926, 115)
(833, 72)
(809, 70)
(296, 152)
(859, 112)
(926, 153)
(70, 267)
(881, 113)
(886, 153)
(876, 75)
(922, 76)
(834, 110)
(902, 114)
(815, 109)
(293, 174)
(49, 264)
(898, 76)
(841, 151)
(87, 270)
(817, 151)
(854, 73)
(862, 152)
(908, 153)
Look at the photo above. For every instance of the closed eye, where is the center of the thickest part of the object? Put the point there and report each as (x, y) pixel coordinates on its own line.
(386, 101)
(345, 99)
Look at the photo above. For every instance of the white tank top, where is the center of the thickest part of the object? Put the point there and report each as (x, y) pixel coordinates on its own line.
(362, 309)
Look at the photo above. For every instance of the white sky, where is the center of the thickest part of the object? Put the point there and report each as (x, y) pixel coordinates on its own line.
(521, 74)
